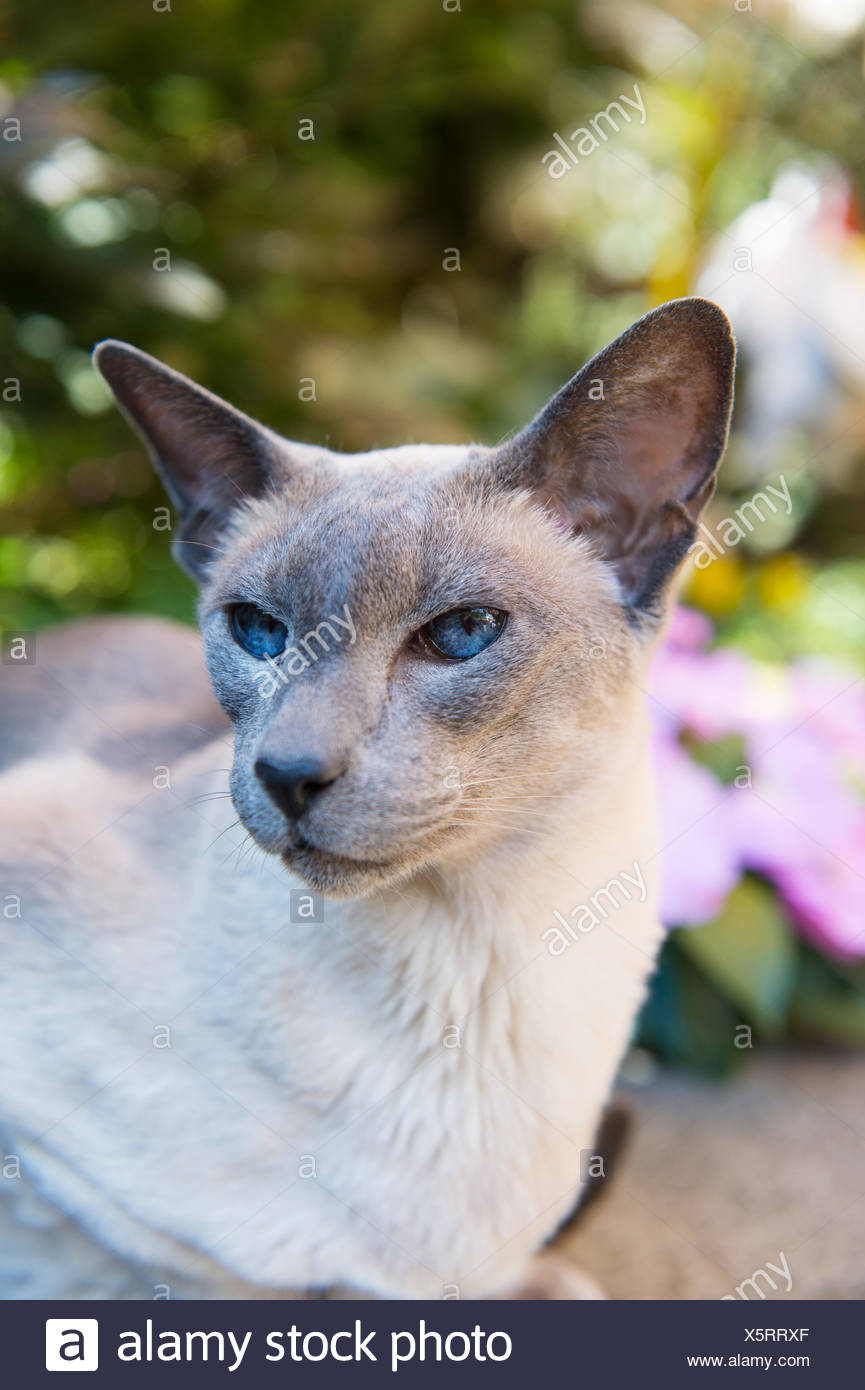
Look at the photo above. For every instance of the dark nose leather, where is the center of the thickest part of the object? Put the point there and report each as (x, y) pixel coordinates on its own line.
(292, 785)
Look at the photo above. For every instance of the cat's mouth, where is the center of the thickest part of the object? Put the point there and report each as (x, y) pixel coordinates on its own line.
(302, 848)
(344, 875)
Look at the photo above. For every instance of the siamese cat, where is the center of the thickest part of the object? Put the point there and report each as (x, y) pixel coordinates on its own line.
(281, 1010)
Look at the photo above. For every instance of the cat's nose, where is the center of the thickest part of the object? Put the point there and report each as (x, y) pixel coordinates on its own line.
(292, 785)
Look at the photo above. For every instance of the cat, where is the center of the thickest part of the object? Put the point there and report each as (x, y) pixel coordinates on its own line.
(287, 1018)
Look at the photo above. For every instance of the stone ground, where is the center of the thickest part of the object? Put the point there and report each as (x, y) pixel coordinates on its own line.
(719, 1179)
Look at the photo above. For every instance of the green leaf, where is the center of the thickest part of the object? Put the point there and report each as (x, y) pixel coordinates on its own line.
(686, 1022)
(750, 954)
(725, 757)
(838, 1017)
(829, 1000)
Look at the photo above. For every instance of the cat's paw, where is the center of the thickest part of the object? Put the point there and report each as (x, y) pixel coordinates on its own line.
(551, 1276)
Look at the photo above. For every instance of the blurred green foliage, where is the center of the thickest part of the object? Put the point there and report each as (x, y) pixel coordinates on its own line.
(304, 267)
(707, 1013)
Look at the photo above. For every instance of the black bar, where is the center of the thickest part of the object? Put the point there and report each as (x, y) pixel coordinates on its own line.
(569, 1344)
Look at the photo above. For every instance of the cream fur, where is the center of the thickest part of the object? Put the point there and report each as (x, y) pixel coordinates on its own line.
(178, 1166)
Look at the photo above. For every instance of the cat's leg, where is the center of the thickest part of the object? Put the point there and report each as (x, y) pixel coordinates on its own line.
(550, 1274)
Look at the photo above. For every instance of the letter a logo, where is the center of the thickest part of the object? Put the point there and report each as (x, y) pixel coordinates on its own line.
(71, 1344)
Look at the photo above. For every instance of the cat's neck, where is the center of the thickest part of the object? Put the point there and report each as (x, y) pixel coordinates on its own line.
(454, 934)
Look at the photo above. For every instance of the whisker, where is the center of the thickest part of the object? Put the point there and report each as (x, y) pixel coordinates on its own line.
(496, 825)
(236, 850)
(489, 781)
(220, 835)
(533, 795)
(479, 810)
(245, 850)
(208, 796)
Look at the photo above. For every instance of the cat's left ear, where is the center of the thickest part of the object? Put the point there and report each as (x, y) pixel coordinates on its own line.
(209, 456)
(625, 454)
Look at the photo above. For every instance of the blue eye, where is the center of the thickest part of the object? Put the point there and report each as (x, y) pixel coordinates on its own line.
(463, 632)
(257, 632)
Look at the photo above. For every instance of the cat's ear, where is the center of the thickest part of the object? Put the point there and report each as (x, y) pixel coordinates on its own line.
(209, 456)
(625, 454)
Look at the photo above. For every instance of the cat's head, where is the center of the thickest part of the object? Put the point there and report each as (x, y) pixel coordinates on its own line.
(425, 649)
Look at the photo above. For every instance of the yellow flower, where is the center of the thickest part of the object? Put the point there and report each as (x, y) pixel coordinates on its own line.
(783, 581)
(718, 588)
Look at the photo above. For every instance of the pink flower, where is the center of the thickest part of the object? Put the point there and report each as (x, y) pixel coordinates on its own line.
(797, 813)
(700, 861)
(702, 691)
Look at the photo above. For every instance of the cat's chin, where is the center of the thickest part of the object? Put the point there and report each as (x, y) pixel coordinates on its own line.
(340, 876)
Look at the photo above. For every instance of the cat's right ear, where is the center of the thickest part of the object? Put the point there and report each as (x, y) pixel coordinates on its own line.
(625, 454)
(209, 456)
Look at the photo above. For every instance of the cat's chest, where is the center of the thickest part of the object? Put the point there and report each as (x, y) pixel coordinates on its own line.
(355, 1099)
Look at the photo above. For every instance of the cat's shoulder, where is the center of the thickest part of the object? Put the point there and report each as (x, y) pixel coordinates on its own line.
(120, 687)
